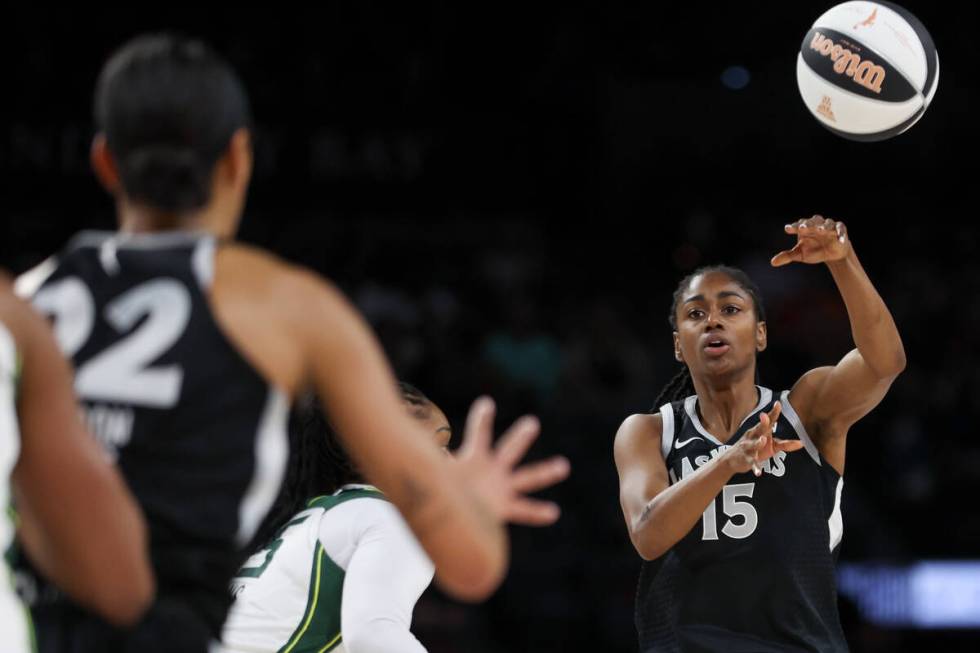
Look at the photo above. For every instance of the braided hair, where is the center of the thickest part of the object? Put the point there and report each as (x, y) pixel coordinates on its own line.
(681, 385)
(318, 463)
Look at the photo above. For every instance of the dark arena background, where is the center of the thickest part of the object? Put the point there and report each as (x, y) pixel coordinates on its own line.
(510, 196)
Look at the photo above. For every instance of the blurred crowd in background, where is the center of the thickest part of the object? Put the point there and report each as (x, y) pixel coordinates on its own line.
(511, 199)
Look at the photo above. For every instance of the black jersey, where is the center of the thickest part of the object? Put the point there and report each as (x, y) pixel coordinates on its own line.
(199, 435)
(756, 573)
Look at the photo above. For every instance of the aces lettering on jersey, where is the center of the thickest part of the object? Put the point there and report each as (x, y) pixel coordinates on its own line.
(774, 466)
(743, 519)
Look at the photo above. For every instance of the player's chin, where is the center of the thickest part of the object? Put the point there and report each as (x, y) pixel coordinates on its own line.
(715, 361)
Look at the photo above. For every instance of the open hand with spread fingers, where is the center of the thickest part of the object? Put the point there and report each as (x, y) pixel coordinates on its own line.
(758, 444)
(818, 240)
(493, 474)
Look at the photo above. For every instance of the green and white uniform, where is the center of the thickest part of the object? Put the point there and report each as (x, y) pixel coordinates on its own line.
(341, 576)
(15, 634)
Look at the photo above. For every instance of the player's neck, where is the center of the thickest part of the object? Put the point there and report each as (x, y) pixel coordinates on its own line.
(723, 407)
(214, 218)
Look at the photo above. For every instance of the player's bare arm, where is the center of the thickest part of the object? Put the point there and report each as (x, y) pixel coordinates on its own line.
(831, 399)
(78, 522)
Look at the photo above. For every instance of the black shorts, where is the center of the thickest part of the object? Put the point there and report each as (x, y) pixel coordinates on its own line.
(170, 626)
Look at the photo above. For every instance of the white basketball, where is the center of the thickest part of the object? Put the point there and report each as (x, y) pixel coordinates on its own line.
(867, 70)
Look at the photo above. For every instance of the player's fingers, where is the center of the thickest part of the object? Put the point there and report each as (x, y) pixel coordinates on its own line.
(788, 256)
(765, 423)
(516, 441)
(478, 431)
(787, 445)
(777, 410)
(531, 512)
(841, 232)
(539, 475)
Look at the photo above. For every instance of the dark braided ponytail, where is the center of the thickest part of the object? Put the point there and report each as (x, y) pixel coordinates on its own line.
(679, 387)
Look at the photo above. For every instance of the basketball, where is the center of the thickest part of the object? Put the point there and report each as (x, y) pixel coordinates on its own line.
(867, 71)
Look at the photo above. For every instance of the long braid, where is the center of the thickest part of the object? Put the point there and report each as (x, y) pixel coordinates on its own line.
(681, 385)
(293, 491)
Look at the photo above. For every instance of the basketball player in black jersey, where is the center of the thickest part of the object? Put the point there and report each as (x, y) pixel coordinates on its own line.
(188, 348)
(731, 492)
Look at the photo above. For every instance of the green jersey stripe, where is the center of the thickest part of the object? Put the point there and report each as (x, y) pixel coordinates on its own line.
(311, 603)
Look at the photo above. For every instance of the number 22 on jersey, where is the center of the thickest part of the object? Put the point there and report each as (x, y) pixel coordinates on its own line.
(123, 371)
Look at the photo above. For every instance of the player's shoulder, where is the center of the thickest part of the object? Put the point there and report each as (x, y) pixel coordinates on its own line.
(261, 271)
(15, 313)
(637, 432)
(361, 512)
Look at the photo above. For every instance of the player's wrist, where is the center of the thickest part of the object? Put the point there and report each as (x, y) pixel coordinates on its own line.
(729, 461)
(844, 261)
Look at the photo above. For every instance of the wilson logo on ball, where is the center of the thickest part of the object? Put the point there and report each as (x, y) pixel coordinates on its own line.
(864, 72)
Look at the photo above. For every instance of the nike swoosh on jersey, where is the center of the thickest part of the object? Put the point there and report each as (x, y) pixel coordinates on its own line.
(684, 443)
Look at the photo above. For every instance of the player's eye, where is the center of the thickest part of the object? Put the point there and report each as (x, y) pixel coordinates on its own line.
(731, 309)
(695, 313)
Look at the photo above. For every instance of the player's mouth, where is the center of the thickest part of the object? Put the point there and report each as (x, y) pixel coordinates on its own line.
(716, 346)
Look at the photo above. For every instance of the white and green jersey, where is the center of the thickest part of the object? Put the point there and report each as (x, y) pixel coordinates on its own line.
(14, 631)
(341, 576)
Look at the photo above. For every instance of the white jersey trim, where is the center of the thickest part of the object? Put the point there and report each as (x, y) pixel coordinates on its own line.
(667, 433)
(202, 262)
(31, 281)
(790, 413)
(271, 456)
(836, 522)
(141, 240)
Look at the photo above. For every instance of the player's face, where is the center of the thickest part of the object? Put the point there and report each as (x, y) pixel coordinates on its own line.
(717, 331)
(436, 423)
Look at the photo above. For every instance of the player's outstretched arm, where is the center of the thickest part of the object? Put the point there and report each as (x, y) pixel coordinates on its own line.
(456, 508)
(78, 522)
(831, 399)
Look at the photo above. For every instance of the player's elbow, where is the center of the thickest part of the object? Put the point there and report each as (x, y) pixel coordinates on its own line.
(648, 548)
(124, 601)
(645, 538)
(473, 582)
(889, 369)
(125, 606)
(378, 635)
(900, 361)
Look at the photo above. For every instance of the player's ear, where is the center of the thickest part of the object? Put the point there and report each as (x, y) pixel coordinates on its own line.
(761, 336)
(677, 348)
(237, 160)
(104, 164)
